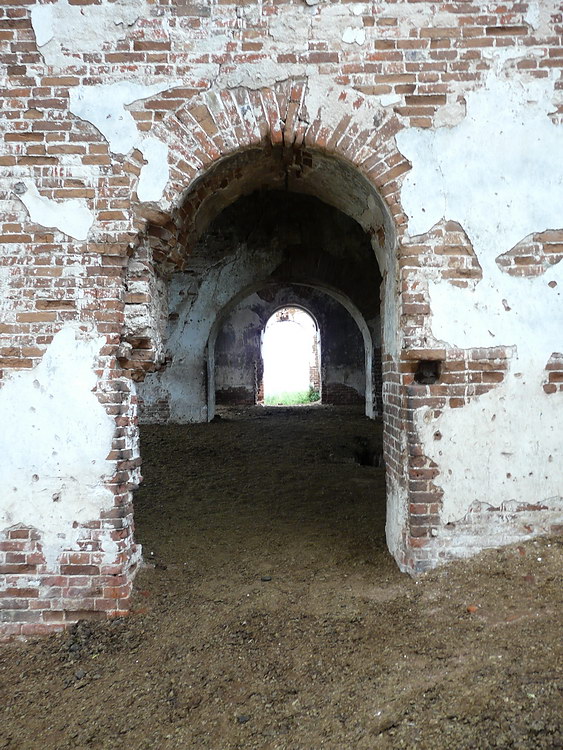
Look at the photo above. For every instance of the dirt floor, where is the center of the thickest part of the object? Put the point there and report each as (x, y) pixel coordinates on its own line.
(271, 615)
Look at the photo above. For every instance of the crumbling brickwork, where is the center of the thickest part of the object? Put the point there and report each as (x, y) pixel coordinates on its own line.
(130, 127)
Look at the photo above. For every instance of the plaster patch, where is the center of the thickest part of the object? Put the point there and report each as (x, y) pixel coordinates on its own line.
(419, 15)
(503, 448)
(353, 35)
(54, 444)
(539, 14)
(532, 16)
(42, 22)
(501, 189)
(104, 107)
(396, 518)
(265, 73)
(449, 115)
(74, 270)
(293, 24)
(155, 173)
(337, 23)
(389, 100)
(331, 103)
(499, 58)
(64, 31)
(73, 217)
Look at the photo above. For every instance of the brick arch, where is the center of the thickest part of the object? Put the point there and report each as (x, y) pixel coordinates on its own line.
(214, 137)
(222, 130)
(337, 295)
(291, 117)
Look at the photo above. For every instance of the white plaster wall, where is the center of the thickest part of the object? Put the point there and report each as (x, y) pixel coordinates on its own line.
(54, 442)
(64, 31)
(505, 449)
(73, 217)
(197, 302)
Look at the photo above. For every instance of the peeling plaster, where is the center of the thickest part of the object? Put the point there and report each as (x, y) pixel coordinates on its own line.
(331, 103)
(73, 217)
(339, 22)
(64, 31)
(353, 35)
(539, 13)
(156, 172)
(6, 295)
(54, 445)
(419, 15)
(500, 188)
(104, 107)
(514, 175)
(515, 456)
(289, 32)
(267, 73)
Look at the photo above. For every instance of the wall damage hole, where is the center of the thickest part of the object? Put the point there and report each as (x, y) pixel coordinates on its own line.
(428, 371)
(291, 355)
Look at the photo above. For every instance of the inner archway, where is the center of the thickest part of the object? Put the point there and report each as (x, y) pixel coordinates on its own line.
(292, 358)
(350, 369)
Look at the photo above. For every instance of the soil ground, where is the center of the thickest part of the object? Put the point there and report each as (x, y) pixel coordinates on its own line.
(271, 615)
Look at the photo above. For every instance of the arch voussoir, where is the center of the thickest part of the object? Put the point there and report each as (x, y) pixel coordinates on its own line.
(197, 118)
(291, 114)
(273, 116)
(247, 116)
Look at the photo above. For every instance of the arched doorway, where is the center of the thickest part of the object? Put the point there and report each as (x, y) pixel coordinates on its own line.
(350, 365)
(291, 353)
(296, 215)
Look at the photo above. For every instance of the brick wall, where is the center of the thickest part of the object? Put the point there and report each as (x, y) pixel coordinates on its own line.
(245, 96)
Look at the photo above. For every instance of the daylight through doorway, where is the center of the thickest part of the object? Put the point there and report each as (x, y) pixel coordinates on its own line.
(291, 356)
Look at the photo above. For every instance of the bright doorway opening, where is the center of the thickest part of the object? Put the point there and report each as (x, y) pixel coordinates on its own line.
(291, 356)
